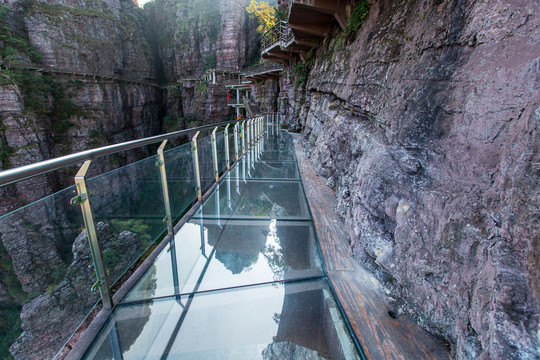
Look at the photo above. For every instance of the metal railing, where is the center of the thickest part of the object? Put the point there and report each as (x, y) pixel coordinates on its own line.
(280, 34)
(132, 199)
(264, 66)
(25, 172)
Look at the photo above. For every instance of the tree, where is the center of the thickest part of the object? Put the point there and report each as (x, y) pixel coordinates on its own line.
(265, 13)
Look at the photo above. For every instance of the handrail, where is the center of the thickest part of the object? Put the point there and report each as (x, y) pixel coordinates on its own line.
(280, 33)
(28, 171)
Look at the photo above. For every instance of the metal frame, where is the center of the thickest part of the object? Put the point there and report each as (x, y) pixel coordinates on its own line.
(248, 134)
(165, 188)
(227, 157)
(195, 153)
(243, 135)
(88, 215)
(252, 138)
(236, 126)
(214, 154)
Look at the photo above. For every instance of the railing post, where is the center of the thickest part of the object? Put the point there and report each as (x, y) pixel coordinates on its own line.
(243, 134)
(227, 157)
(252, 132)
(196, 165)
(248, 142)
(164, 187)
(236, 126)
(214, 154)
(249, 138)
(88, 215)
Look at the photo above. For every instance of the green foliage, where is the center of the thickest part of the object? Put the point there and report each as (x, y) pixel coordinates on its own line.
(10, 326)
(210, 61)
(265, 14)
(112, 255)
(98, 137)
(170, 123)
(136, 226)
(14, 41)
(56, 13)
(39, 92)
(301, 70)
(358, 16)
(43, 97)
(5, 150)
(201, 86)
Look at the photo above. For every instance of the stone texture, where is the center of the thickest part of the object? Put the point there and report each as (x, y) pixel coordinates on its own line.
(232, 40)
(288, 350)
(426, 123)
(49, 319)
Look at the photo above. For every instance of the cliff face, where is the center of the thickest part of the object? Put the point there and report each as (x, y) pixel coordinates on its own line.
(426, 123)
(75, 75)
(193, 37)
(81, 74)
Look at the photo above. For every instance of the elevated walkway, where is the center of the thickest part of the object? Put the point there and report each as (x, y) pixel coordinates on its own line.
(236, 273)
(242, 277)
(308, 21)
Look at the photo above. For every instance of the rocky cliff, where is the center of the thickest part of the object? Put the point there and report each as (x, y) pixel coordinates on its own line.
(426, 122)
(81, 74)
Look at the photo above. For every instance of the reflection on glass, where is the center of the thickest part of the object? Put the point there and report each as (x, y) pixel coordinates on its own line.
(296, 320)
(129, 202)
(46, 264)
(235, 253)
(272, 155)
(180, 178)
(242, 279)
(206, 161)
(275, 170)
(259, 199)
(190, 254)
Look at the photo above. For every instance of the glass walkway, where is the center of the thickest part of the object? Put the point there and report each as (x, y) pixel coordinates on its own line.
(242, 279)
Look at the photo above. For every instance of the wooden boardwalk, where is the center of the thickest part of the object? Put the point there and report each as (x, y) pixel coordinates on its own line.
(360, 294)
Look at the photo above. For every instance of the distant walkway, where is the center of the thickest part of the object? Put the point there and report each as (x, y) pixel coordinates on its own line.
(95, 76)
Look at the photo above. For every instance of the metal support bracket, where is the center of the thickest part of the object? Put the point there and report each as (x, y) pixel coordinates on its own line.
(248, 133)
(164, 187)
(236, 126)
(88, 215)
(227, 157)
(214, 154)
(196, 165)
(243, 136)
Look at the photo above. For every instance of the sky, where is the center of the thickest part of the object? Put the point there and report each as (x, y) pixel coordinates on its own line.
(142, 2)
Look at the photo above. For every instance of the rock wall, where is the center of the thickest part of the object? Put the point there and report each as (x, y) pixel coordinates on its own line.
(232, 50)
(96, 85)
(193, 37)
(426, 124)
(82, 74)
(266, 93)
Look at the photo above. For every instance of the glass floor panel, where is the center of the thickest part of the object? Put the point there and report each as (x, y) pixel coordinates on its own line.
(242, 279)
(276, 170)
(256, 199)
(235, 253)
(278, 155)
(270, 321)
